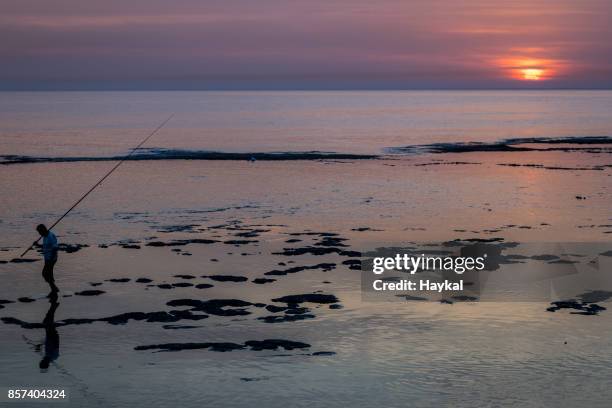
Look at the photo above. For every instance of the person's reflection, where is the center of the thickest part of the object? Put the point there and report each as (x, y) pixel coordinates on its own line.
(51, 336)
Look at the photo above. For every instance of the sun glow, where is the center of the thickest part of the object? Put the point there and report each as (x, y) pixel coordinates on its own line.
(529, 69)
(532, 74)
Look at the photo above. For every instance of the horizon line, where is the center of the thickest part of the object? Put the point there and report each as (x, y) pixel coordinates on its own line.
(313, 89)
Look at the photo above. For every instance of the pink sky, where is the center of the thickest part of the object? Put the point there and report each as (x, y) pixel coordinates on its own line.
(306, 44)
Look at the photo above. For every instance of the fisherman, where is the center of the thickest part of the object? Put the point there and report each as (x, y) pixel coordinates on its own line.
(49, 249)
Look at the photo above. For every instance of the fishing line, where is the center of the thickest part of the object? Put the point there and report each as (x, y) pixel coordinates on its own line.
(119, 163)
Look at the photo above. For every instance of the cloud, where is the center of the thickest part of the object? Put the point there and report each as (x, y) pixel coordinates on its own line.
(305, 43)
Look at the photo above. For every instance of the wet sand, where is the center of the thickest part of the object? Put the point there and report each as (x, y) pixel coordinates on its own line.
(264, 293)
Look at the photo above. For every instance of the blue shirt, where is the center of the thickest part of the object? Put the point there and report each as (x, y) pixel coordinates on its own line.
(50, 247)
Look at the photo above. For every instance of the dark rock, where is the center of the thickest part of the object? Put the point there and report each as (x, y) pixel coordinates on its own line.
(178, 228)
(222, 347)
(215, 307)
(123, 318)
(226, 278)
(67, 322)
(90, 293)
(285, 318)
(178, 327)
(323, 266)
(25, 325)
(309, 297)
(465, 298)
(297, 310)
(238, 242)
(318, 251)
(182, 284)
(153, 317)
(567, 304)
(332, 242)
(161, 317)
(188, 315)
(354, 264)
(584, 308)
(413, 298)
(71, 248)
(261, 281)
(251, 234)
(596, 308)
(273, 344)
(181, 242)
(310, 233)
(172, 316)
(158, 244)
(275, 309)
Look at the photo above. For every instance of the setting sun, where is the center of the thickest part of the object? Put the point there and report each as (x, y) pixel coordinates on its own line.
(526, 68)
(532, 74)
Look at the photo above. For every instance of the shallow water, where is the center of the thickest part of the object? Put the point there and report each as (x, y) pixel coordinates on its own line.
(389, 353)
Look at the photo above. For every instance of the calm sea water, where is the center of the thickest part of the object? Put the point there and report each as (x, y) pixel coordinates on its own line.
(386, 353)
(57, 123)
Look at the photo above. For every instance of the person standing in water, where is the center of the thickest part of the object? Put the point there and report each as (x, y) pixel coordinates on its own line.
(49, 249)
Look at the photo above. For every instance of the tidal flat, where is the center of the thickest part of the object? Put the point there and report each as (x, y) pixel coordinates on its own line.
(232, 281)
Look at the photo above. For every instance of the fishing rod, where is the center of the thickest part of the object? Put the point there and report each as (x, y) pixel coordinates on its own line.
(119, 163)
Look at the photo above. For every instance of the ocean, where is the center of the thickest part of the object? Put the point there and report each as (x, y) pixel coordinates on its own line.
(241, 186)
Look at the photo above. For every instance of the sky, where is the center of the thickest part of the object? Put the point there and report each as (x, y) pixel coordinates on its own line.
(312, 44)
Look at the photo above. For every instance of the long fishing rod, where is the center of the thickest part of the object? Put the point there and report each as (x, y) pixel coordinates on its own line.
(119, 163)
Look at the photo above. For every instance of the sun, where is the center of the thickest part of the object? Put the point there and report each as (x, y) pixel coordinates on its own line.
(532, 74)
(529, 69)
